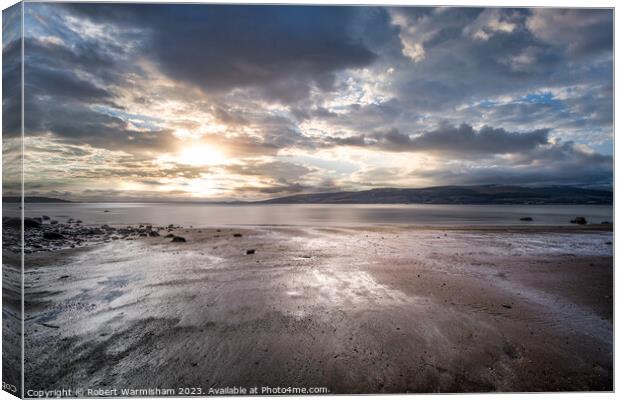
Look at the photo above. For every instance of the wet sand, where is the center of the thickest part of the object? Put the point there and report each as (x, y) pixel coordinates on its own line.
(355, 310)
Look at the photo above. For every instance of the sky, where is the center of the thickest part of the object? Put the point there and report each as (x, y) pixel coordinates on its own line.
(213, 102)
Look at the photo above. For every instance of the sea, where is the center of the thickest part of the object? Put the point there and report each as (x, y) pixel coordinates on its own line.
(204, 215)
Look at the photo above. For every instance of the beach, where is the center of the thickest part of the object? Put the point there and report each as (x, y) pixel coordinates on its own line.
(376, 309)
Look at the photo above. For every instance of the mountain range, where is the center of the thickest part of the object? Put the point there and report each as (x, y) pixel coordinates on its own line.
(485, 194)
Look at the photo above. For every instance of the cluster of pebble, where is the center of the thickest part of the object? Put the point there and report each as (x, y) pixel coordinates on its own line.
(45, 234)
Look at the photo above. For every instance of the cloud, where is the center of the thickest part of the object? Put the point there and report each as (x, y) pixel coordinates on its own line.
(307, 98)
(283, 51)
(463, 140)
(555, 164)
(489, 22)
(581, 31)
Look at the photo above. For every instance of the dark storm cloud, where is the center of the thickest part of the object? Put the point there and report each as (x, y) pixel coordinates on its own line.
(281, 50)
(463, 140)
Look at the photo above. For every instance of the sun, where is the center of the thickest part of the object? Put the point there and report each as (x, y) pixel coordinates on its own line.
(201, 155)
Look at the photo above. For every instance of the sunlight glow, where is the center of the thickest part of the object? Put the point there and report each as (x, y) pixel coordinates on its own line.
(201, 155)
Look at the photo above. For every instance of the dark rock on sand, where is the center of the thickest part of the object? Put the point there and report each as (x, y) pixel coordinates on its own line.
(153, 234)
(54, 222)
(579, 221)
(170, 235)
(251, 251)
(52, 236)
(45, 217)
(237, 235)
(526, 219)
(178, 239)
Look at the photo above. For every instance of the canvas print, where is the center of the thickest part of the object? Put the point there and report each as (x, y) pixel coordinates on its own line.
(211, 199)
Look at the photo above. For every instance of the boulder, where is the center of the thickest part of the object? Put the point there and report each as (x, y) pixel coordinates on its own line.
(251, 251)
(579, 221)
(178, 239)
(53, 222)
(45, 217)
(526, 219)
(237, 235)
(153, 234)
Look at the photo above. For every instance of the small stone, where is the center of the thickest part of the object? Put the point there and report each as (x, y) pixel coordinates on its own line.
(579, 221)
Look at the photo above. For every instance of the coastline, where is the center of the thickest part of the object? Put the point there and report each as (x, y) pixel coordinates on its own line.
(376, 309)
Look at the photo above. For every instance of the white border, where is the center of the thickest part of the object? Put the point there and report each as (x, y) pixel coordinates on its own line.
(471, 3)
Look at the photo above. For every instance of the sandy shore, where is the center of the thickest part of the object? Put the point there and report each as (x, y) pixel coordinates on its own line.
(355, 310)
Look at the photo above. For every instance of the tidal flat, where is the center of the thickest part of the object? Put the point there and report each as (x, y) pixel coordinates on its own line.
(375, 309)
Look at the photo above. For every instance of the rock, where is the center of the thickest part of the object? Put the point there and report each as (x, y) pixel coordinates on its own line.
(17, 223)
(45, 217)
(506, 306)
(31, 223)
(106, 210)
(53, 222)
(79, 221)
(251, 251)
(170, 235)
(178, 239)
(12, 222)
(526, 219)
(52, 236)
(237, 235)
(579, 221)
(153, 234)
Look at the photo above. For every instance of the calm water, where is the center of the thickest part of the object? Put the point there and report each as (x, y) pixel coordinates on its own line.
(200, 215)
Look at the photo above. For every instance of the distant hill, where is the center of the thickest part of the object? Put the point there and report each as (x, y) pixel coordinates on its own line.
(487, 194)
(34, 199)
